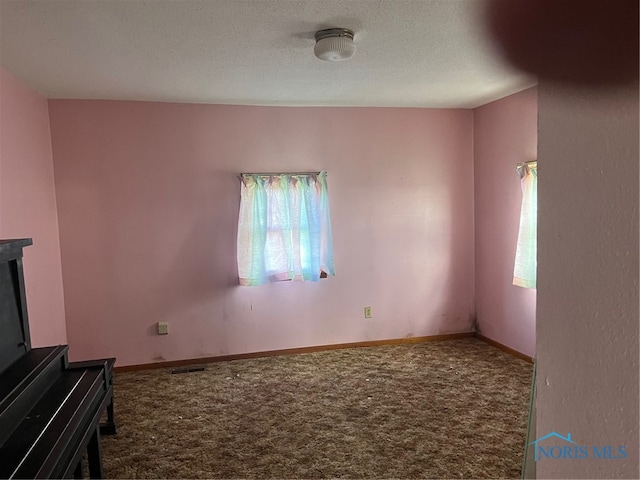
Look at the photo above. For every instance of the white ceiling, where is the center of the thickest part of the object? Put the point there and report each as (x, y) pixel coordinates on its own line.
(410, 53)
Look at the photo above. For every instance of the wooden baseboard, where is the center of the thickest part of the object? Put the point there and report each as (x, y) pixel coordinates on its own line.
(504, 348)
(292, 351)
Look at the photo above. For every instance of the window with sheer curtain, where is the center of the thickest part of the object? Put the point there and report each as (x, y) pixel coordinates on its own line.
(525, 268)
(284, 228)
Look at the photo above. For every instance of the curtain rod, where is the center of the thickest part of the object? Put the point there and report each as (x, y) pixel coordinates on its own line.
(299, 174)
(526, 163)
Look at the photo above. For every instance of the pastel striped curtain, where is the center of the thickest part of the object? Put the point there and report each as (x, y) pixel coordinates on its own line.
(284, 228)
(525, 268)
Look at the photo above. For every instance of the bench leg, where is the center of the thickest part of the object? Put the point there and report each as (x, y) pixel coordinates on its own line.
(94, 452)
(77, 473)
(109, 427)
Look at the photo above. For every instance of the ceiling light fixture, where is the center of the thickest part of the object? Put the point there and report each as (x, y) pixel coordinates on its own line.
(334, 44)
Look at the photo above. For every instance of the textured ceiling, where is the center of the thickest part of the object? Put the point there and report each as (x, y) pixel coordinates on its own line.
(419, 53)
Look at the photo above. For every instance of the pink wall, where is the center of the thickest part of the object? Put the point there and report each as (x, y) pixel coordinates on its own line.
(587, 331)
(28, 204)
(505, 133)
(148, 201)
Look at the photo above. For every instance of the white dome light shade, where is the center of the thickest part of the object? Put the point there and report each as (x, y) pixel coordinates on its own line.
(334, 45)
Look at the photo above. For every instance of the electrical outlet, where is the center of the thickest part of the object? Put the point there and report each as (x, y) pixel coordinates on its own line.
(368, 312)
(163, 328)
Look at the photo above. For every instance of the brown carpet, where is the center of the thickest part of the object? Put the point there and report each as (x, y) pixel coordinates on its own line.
(448, 409)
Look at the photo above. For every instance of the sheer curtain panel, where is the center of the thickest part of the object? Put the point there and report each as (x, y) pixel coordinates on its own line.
(524, 271)
(284, 228)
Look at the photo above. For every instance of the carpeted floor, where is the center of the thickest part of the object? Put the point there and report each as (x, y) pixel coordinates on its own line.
(449, 409)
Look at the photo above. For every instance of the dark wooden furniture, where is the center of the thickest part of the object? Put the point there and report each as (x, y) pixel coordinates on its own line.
(50, 409)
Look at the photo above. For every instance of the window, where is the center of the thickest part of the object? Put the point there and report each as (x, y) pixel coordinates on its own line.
(524, 271)
(284, 228)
